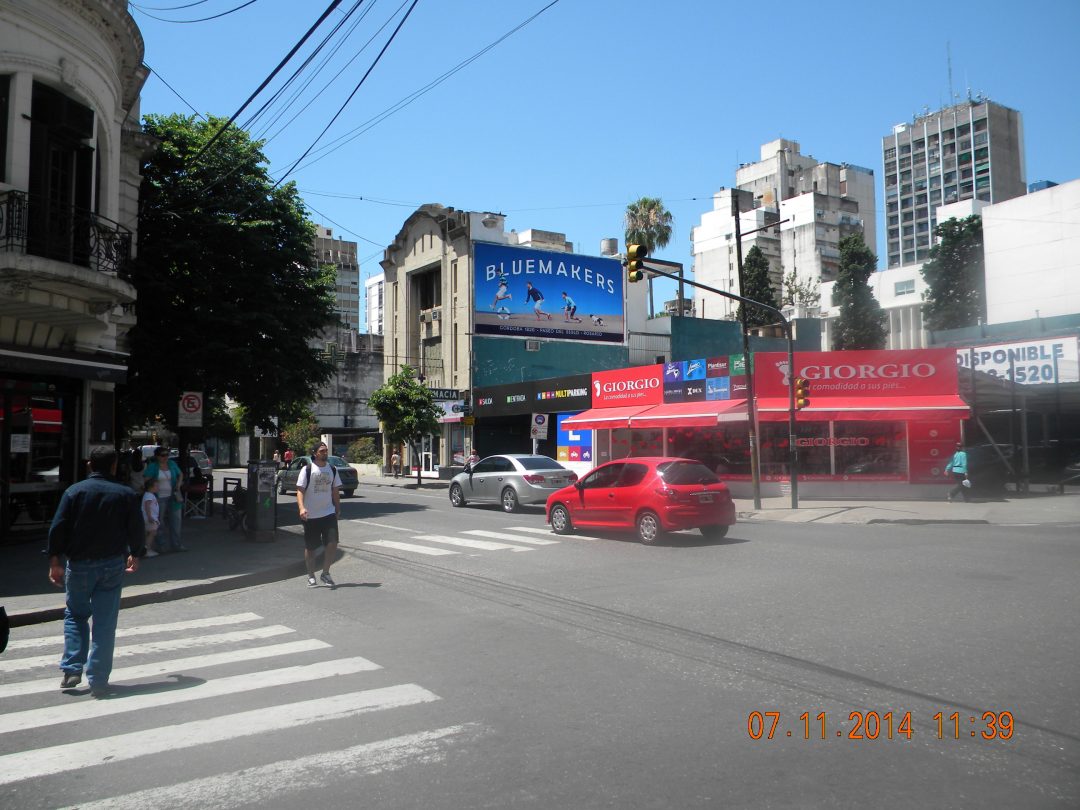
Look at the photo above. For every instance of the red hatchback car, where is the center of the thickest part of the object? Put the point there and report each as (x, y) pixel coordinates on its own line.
(651, 495)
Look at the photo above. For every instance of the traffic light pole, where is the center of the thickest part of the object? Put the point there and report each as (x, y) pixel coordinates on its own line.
(793, 451)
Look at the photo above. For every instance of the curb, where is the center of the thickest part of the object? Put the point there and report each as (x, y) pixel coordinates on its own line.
(171, 594)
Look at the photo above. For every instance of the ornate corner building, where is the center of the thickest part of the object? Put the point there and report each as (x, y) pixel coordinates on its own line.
(71, 72)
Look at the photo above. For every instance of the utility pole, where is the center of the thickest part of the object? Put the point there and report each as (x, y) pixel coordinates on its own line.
(751, 409)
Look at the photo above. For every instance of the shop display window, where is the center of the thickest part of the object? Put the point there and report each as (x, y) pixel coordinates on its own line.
(870, 448)
(626, 442)
(725, 450)
(814, 456)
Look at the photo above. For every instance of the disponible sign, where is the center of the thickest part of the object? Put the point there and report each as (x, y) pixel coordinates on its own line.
(1028, 362)
(886, 373)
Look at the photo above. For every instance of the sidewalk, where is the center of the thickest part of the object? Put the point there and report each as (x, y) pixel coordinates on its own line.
(217, 560)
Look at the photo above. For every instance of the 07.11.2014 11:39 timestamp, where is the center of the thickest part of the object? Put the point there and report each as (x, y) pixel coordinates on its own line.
(873, 725)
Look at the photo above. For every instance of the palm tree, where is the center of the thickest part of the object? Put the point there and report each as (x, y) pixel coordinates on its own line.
(648, 223)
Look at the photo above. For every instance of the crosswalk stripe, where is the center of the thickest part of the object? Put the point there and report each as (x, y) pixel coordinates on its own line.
(484, 545)
(534, 541)
(148, 629)
(40, 762)
(164, 645)
(531, 530)
(435, 552)
(220, 687)
(174, 665)
(255, 786)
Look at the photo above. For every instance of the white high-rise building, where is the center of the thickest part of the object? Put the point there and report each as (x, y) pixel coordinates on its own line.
(342, 254)
(800, 210)
(374, 289)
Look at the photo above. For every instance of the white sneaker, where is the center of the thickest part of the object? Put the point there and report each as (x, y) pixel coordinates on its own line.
(151, 553)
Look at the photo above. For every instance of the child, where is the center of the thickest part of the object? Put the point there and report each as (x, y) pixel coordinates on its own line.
(151, 514)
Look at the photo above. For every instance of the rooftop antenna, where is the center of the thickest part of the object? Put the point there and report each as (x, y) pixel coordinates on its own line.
(948, 58)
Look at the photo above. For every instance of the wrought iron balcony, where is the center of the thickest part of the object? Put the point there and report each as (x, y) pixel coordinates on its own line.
(39, 227)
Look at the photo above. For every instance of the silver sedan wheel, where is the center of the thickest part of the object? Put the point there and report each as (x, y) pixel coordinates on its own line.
(509, 500)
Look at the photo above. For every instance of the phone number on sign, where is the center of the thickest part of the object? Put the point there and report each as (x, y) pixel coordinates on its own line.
(879, 726)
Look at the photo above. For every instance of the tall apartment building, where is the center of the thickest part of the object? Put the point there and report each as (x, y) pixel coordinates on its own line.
(342, 254)
(375, 306)
(973, 150)
(804, 207)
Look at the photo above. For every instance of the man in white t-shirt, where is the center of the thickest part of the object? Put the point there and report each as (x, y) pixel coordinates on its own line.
(320, 506)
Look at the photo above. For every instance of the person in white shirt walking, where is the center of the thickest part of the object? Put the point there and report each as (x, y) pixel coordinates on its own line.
(319, 500)
(151, 510)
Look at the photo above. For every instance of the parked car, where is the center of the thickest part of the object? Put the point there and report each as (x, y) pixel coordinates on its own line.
(510, 479)
(649, 495)
(288, 475)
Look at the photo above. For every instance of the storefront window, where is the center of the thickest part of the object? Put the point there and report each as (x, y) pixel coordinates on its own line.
(870, 448)
(627, 442)
(725, 450)
(39, 463)
(814, 456)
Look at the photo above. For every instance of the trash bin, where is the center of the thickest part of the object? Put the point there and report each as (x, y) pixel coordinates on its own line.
(261, 500)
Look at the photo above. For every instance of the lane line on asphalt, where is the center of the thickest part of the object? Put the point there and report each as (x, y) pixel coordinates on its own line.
(166, 645)
(174, 665)
(434, 552)
(483, 545)
(548, 532)
(177, 692)
(533, 541)
(270, 783)
(32, 764)
(148, 629)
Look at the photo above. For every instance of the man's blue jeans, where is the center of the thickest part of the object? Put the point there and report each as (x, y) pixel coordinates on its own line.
(93, 591)
(168, 537)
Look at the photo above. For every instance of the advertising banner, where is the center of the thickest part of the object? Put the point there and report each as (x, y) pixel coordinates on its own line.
(533, 396)
(640, 385)
(886, 373)
(528, 293)
(572, 445)
(1028, 362)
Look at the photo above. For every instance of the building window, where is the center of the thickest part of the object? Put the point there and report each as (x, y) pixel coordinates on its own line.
(905, 149)
(909, 257)
(5, 94)
(904, 287)
(890, 153)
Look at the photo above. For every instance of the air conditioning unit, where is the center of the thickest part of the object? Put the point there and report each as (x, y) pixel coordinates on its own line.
(436, 314)
(532, 345)
(425, 317)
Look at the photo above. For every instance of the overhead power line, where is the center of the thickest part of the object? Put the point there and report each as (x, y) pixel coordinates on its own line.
(188, 22)
(292, 52)
(341, 109)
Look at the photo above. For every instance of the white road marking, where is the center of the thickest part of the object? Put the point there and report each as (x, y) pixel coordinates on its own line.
(484, 545)
(548, 532)
(157, 646)
(145, 630)
(435, 552)
(533, 541)
(40, 762)
(174, 665)
(221, 687)
(269, 783)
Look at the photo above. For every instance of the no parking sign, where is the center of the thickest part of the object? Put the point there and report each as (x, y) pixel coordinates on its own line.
(191, 409)
(539, 429)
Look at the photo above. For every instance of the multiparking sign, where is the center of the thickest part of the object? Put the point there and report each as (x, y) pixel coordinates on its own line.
(1028, 362)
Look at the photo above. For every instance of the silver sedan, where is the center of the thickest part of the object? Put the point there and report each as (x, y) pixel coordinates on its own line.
(510, 479)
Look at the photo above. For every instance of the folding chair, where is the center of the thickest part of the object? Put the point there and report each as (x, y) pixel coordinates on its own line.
(197, 501)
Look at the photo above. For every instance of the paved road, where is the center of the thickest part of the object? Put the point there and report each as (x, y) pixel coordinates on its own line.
(581, 673)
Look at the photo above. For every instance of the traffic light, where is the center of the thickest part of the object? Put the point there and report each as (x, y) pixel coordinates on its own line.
(802, 393)
(635, 262)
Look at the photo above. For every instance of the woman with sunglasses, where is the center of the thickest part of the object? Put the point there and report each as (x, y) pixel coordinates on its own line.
(170, 499)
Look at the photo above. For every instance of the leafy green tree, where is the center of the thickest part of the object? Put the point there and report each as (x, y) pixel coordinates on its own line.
(861, 324)
(757, 286)
(363, 451)
(796, 292)
(955, 276)
(407, 411)
(648, 223)
(301, 436)
(229, 290)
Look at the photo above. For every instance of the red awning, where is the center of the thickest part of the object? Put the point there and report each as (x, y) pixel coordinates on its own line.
(604, 418)
(868, 409)
(691, 414)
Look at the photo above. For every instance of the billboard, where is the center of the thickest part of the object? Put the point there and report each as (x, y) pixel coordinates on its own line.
(884, 373)
(528, 293)
(1027, 362)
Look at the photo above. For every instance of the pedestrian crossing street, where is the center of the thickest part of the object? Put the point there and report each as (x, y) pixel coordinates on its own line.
(230, 689)
(513, 539)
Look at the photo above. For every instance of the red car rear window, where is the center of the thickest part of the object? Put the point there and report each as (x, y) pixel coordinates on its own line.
(678, 473)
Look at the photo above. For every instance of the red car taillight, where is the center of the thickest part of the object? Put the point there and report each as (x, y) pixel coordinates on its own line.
(534, 479)
(573, 477)
(672, 495)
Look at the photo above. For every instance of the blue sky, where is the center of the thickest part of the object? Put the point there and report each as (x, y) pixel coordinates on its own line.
(598, 102)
